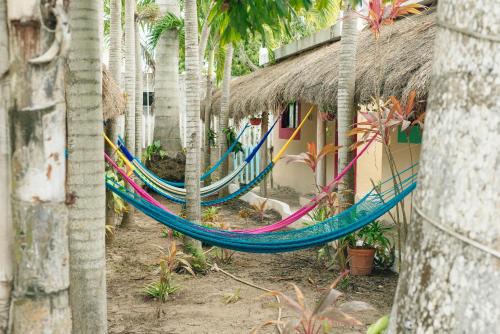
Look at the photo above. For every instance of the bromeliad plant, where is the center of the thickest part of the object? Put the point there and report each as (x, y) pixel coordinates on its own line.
(210, 214)
(260, 208)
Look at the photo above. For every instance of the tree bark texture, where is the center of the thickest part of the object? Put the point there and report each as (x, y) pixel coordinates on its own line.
(40, 297)
(167, 89)
(130, 87)
(5, 218)
(320, 143)
(85, 171)
(264, 155)
(138, 92)
(115, 69)
(208, 111)
(448, 285)
(345, 110)
(224, 113)
(193, 126)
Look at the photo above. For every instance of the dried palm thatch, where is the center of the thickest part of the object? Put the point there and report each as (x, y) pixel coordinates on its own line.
(399, 62)
(113, 99)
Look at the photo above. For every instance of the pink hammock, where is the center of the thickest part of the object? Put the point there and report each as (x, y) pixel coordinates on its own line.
(313, 203)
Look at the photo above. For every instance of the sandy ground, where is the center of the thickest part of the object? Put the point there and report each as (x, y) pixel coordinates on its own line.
(132, 257)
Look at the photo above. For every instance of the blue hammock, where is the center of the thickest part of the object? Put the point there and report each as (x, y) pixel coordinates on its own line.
(372, 206)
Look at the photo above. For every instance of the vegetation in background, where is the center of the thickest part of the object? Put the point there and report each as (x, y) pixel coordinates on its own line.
(231, 138)
(153, 151)
(210, 214)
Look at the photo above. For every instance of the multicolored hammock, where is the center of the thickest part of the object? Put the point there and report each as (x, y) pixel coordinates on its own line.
(286, 221)
(177, 195)
(372, 206)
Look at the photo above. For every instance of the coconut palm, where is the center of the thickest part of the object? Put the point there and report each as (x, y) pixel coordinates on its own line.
(39, 302)
(224, 112)
(130, 78)
(167, 89)
(193, 126)
(115, 69)
(346, 112)
(138, 90)
(5, 221)
(449, 282)
(85, 170)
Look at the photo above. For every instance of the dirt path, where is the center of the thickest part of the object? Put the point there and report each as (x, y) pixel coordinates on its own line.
(198, 307)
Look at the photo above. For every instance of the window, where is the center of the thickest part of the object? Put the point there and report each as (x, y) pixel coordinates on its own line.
(290, 121)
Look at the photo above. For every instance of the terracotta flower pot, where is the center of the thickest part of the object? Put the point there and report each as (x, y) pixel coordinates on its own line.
(255, 121)
(361, 260)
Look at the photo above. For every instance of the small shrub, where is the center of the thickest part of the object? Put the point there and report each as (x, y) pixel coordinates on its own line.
(210, 214)
(244, 213)
(260, 209)
(196, 259)
(153, 151)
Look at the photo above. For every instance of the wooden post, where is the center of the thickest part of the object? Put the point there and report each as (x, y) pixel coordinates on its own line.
(320, 143)
(264, 156)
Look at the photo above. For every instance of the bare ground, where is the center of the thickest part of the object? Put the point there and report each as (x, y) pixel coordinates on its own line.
(199, 307)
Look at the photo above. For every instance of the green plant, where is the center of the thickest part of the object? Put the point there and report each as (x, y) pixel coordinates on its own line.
(233, 297)
(372, 235)
(197, 258)
(118, 204)
(152, 151)
(260, 209)
(212, 138)
(171, 260)
(319, 214)
(231, 138)
(211, 214)
(321, 319)
(167, 233)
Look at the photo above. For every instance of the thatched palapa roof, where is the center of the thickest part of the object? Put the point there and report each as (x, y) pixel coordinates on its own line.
(114, 102)
(405, 50)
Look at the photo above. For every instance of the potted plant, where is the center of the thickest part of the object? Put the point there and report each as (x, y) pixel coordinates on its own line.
(364, 244)
(255, 121)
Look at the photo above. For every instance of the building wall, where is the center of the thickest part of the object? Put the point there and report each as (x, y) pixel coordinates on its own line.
(373, 165)
(296, 175)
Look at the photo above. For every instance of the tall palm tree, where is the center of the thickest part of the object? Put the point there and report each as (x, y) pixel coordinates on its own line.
(193, 124)
(130, 78)
(40, 298)
(5, 221)
(224, 111)
(115, 68)
(85, 169)
(167, 89)
(346, 111)
(138, 91)
(449, 281)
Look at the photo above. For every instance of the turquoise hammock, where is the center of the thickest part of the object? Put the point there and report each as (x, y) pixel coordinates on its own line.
(372, 206)
(174, 193)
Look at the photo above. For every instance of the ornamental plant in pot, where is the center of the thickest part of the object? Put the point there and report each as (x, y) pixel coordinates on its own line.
(364, 244)
(255, 121)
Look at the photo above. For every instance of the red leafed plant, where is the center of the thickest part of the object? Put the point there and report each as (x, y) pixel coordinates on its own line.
(383, 116)
(321, 319)
(312, 157)
(384, 12)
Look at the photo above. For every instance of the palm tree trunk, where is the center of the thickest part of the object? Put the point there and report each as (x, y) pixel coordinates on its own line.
(448, 285)
(346, 111)
(115, 69)
(85, 170)
(130, 87)
(138, 93)
(193, 126)
(40, 297)
(224, 112)
(167, 89)
(5, 219)
(208, 110)
(264, 156)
